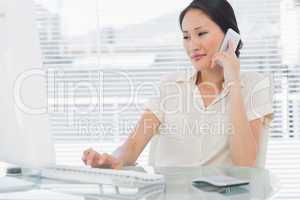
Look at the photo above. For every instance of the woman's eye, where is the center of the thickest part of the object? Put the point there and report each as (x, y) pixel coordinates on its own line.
(185, 37)
(201, 33)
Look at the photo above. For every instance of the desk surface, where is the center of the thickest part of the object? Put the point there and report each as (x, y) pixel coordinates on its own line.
(263, 185)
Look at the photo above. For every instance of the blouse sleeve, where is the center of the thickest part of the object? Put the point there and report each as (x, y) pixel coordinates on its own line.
(259, 101)
(154, 103)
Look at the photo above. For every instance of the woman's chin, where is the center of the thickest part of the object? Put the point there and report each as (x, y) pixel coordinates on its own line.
(198, 65)
(201, 67)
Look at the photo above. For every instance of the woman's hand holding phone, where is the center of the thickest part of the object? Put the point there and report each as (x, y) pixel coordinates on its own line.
(229, 62)
(227, 59)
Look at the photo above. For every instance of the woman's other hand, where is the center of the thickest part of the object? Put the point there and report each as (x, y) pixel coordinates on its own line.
(96, 160)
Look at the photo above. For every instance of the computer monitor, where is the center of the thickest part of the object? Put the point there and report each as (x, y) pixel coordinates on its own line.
(24, 123)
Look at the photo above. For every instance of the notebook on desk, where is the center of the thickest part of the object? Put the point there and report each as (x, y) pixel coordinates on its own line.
(219, 181)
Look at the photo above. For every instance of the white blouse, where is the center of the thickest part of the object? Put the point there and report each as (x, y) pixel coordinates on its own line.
(191, 134)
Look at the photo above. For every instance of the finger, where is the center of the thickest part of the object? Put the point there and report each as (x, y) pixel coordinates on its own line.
(104, 159)
(85, 154)
(218, 59)
(83, 158)
(232, 47)
(213, 60)
(90, 157)
(110, 160)
(95, 161)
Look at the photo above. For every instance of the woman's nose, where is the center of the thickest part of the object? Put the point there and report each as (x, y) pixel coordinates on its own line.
(195, 45)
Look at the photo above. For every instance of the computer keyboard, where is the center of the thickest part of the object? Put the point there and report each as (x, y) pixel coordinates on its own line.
(13, 184)
(121, 178)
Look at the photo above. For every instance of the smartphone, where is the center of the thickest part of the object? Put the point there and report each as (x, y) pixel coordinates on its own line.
(230, 35)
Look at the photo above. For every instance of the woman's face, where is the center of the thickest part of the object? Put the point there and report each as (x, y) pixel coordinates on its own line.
(202, 38)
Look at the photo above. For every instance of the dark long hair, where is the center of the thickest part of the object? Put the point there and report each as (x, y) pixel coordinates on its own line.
(220, 11)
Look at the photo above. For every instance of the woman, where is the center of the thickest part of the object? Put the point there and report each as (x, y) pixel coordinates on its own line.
(213, 115)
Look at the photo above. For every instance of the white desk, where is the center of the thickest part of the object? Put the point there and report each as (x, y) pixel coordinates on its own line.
(263, 185)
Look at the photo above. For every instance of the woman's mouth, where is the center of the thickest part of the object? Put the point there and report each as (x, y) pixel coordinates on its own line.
(198, 57)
